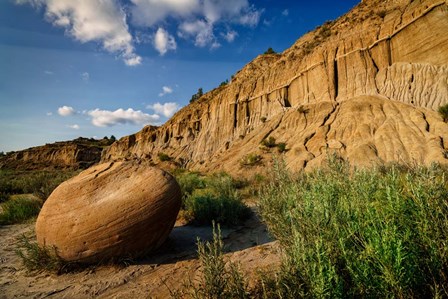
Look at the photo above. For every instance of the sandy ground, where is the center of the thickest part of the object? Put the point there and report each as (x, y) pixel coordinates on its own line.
(151, 277)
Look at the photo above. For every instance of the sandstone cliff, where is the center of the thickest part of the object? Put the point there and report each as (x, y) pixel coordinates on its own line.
(78, 153)
(366, 85)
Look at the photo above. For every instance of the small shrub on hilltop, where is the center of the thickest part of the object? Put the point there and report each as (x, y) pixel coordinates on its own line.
(443, 111)
(269, 51)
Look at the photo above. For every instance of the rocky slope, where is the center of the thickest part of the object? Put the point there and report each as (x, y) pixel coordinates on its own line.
(78, 153)
(366, 85)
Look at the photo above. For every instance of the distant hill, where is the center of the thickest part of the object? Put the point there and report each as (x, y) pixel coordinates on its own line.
(78, 153)
(366, 86)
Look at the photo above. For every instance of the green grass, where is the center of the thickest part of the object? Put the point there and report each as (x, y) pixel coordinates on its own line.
(219, 278)
(443, 111)
(361, 233)
(19, 210)
(214, 198)
(39, 183)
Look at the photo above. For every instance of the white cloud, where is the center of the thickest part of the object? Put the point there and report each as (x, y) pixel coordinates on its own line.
(66, 111)
(102, 21)
(85, 76)
(49, 113)
(200, 30)
(106, 118)
(163, 41)
(197, 19)
(165, 90)
(230, 36)
(48, 72)
(166, 109)
(74, 127)
(285, 13)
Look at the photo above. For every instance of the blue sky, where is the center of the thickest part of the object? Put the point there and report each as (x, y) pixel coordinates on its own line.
(95, 68)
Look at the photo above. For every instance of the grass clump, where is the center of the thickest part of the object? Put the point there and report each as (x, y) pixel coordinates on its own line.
(19, 210)
(37, 258)
(269, 142)
(360, 233)
(219, 279)
(164, 157)
(443, 111)
(219, 201)
(250, 160)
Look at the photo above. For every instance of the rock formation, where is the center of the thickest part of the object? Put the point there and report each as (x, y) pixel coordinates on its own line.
(366, 85)
(78, 153)
(109, 210)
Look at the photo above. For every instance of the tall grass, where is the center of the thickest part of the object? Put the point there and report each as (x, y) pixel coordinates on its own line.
(360, 233)
(214, 198)
(19, 210)
(219, 278)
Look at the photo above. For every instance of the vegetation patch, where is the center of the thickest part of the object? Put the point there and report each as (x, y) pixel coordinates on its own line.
(250, 160)
(443, 111)
(19, 210)
(164, 157)
(361, 233)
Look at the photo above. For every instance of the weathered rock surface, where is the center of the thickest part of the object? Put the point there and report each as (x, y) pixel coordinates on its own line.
(110, 210)
(393, 52)
(78, 153)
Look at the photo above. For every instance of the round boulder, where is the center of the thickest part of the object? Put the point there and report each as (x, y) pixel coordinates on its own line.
(110, 210)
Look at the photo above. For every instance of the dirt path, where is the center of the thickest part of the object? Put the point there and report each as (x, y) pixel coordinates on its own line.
(152, 277)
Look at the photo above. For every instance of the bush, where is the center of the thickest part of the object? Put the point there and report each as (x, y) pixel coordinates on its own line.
(360, 233)
(219, 279)
(19, 210)
(443, 111)
(269, 51)
(250, 160)
(263, 119)
(269, 142)
(189, 182)
(281, 147)
(36, 258)
(164, 157)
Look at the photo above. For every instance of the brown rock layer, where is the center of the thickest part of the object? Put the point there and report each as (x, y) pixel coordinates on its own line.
(109, 210)
(78, 153)
(395, 52)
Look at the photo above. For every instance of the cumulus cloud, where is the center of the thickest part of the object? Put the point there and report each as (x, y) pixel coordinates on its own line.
(196, 19)
(163, 41)
(66, 111)
(106, 118)
(230, 36)
(285, 13)
(92, 21)
(165, 90)
(166, 109)
(74, 127)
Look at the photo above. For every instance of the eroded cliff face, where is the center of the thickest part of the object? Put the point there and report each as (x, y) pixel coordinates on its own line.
(366, 86)
(78, 153)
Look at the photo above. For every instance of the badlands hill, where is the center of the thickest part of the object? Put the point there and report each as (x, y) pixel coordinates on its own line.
(78, 153)
(366, 85)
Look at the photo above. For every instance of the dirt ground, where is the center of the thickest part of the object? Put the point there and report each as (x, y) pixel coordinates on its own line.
(150, 277)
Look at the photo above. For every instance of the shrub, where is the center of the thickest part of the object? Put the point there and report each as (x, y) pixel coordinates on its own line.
(220, 279)
(360, 233)
(250, 160)
(381, 13)
(443, 111)
(164, 157)
(269, 142)
(269, 51)
(19, 210)
(189, 182)
(206, 208)
(36, 258)
(281, 147)
(263, 119)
